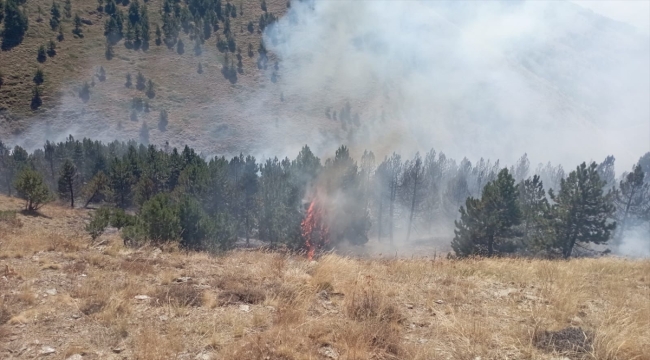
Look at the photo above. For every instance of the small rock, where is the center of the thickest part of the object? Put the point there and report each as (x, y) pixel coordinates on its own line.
(86, 21)
(409, 306)
(244, 308)
(163, 317)
(575, 320)
(50, 292)
(142, 297)
(75, 357)
(117, 350)
(76, 316)
(439, 302)
(182, 279)
(329, 352)
(47, 350)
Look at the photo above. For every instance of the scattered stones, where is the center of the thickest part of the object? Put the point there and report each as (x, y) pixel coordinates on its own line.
(142, 297)
(47, 350)
(51, 292)
(244, 308)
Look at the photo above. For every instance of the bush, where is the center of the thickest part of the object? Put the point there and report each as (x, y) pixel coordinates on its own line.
(31, 187)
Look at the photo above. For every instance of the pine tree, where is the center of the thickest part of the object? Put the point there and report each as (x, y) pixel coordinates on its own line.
(128, 82)
(51, 48)
(77, 25)
(151, 93)
(39, 76)
(36, 98)
(485, 225)
(68, 182)
(2, 10)
(55, 18)
(31, 187)
(160, 219)
(158, 35)
(632, 201)
(41, 56)
(199, 69)
(535, 214)
(60, 36)
(144, 134)
(67, 7)
(180, 47)
(102, 74)
(140, 81)
(163, 120)
(84, 93)
(582, 210)
(97, 189)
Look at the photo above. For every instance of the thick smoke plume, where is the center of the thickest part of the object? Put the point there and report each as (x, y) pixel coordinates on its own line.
(477, 79)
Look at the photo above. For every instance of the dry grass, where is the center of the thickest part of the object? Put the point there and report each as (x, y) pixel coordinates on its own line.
(256, 305)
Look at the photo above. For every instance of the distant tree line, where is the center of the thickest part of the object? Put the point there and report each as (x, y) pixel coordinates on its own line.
(163, 194)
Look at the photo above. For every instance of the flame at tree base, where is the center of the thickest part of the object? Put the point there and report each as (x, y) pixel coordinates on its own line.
(313, 229)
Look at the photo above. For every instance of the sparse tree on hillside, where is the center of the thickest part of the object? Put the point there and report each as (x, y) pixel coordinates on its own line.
(180, 47)
(163, 120)
(2, 10)
(68, 182)
(77, 25)
(15, 24)
(200, 69)
(84, 93)
(102, 74)
(55, 18)
(158, 35)
(582, 210)
(151, 93)
(109, 51)
(60, 36)
(31, 187)
(128, 82)
(39, 76)
(144, 134)
(36, 98)
(140, 81)
(41, 56)
(51, 48)
(67, 7)
(100, 5)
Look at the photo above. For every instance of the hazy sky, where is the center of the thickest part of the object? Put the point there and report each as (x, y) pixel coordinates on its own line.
(634, 12)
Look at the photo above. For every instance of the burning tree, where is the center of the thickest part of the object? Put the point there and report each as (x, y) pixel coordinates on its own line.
(314, 229)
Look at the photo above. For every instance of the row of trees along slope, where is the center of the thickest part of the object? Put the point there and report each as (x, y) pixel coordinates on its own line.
(162, 194)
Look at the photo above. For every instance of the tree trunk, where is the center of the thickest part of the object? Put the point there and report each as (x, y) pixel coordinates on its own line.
(381, 205)
(71, 194)
(415, 187)
(490, 246)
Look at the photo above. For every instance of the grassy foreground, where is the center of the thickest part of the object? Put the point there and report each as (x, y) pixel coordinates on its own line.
(65, 298)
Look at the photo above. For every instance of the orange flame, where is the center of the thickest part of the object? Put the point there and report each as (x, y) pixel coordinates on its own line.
(313, 229)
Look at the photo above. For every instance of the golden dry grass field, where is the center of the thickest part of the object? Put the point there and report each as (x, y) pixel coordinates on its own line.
(63, 297)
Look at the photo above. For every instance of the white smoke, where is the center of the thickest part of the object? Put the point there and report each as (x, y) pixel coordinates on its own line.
(635, 243)
(479, 79)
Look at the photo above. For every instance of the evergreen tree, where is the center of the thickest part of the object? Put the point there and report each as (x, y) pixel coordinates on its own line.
(36, 98)
(582, 210)
(42, 54)
(97, 189)
(158, 35)
(121, 180)
(160, 219)
(31, 187)
(55, 18)
(128, 82)
(200, 69)
(15, 24)
(632, 200)
(412, 185)
(151, 93)
(485, 225)
(140, 81)
(68, 182)
(144, 134)
(67, 7)
(84, 93)
(163, 120)
(2, 10)
(180, 47)
(60, 36)
(51, 48)
(535, 214)
(39, 76)
(77, 25)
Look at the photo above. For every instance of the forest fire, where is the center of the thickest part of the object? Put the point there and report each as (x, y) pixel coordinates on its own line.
(314, 229)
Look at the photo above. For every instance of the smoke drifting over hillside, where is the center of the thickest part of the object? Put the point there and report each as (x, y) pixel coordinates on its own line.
(482, 79)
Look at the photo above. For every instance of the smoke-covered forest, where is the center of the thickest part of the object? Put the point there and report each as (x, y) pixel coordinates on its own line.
(483, 207)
